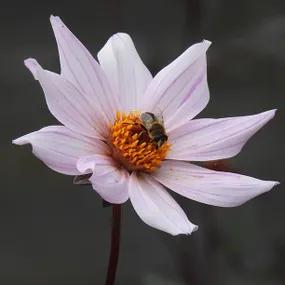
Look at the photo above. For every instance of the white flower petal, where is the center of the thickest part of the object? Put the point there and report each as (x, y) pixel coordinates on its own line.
(59, 148)
(79, 67)
(212, 139)
(125, 70)
(180, 90)
(156, 207)
(68, 104)
(216, 188)
(108, 179)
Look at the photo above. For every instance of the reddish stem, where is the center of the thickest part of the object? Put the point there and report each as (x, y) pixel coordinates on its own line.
(115, 245)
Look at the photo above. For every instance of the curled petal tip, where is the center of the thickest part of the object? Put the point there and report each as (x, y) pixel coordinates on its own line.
(121, 34)
(20, 141)
(268, 115)
(207, 43)
(56, 23)
(275, 183)
(54, 19)
(192, 228)
(16, 141)
(269, 185)
(195, 228)
(273, 112)
(33, 66)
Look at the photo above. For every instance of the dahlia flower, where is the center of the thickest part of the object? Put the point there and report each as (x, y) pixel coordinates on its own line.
(103, 136)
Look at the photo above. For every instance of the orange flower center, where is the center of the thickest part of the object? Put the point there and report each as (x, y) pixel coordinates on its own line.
(133, 146)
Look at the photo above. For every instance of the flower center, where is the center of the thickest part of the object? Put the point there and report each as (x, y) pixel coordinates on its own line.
(137, 144)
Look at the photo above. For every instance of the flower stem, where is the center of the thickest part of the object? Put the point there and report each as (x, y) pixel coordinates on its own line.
(115, 245)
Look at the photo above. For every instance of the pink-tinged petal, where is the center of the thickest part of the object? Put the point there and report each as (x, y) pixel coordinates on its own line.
(180, 90)
(68, 104)
(156, 207)
(79, 67)
(216, 188)
(108, 179)
(212, 139)
(59, 148)
(125, 70)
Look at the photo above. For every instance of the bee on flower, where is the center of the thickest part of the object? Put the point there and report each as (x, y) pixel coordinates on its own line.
(134, 136)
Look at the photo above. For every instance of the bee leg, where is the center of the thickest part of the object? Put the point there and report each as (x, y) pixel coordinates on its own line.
(141, 134)
(159, 143)
(131, 123)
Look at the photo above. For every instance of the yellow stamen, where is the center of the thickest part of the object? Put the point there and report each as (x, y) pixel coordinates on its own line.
(132, 145)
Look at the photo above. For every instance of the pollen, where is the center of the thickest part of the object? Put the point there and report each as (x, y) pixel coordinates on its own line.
(132, 145)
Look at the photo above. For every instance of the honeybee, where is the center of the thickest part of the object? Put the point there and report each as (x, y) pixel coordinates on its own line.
(154, 126)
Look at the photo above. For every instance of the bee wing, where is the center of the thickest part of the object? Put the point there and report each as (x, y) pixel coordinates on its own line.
(147, 119)
(159, 117)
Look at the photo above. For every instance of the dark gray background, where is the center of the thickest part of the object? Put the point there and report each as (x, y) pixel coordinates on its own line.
(53, 232)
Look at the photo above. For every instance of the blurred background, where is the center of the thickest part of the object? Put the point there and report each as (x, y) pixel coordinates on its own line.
(53, 232)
